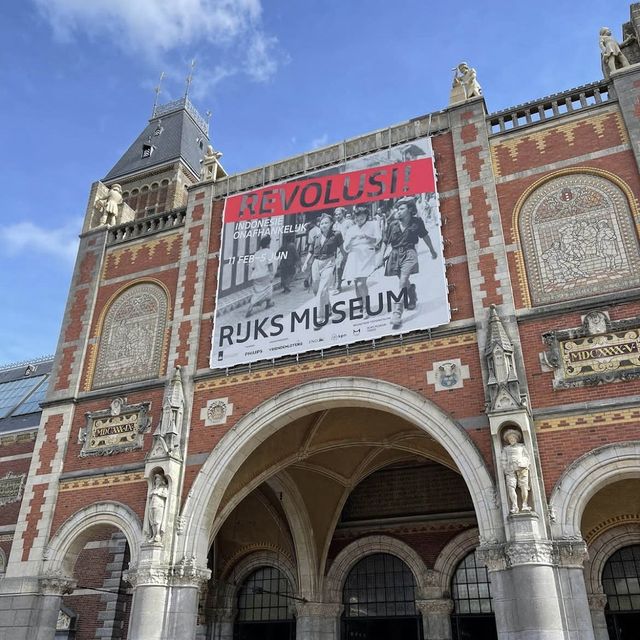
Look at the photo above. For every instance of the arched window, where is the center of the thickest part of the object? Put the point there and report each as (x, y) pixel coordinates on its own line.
(472, 617)
(621, 584)
(132, 336)
(379, 597)
(265, 607)
(578, 238)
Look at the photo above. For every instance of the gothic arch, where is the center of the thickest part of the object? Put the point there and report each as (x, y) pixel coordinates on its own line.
(201, 506)
(452, 554)
(577, 236)
(132, 334)
(601, 550)
(63, 549)
(585, 477)
(367, 546)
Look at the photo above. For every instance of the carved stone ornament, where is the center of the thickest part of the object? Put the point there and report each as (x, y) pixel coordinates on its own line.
(107, 206)
(216, 412)
(503, 384)
(529, 552)
(597, 601)
(578, 239)
(436, 606)
(167, 438)
(571, 553)
(612, 56)
(11, 487)
(64, 621)
(185, 574)
(56, 584)
(448, 374)
(492, 555)
(329, 610)
(598, 352)
(516, 463)
(465, 84)
(116, 429)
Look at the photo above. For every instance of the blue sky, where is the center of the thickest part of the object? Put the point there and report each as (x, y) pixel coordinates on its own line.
(280, 76)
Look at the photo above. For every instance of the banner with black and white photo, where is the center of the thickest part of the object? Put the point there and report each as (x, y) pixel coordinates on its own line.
(350, 253)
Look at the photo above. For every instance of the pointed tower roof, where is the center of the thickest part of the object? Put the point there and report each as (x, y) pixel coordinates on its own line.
(497, 334)
(176, 131)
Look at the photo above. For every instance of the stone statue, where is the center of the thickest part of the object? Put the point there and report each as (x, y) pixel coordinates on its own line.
(110, 205)
(156, 507)
(464, 76)
(515, 464)
(612, 57)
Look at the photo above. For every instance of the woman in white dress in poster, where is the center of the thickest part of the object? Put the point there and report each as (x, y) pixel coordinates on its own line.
(360, 243)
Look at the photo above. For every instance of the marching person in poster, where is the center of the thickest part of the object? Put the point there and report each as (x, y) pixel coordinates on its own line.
(341, 224)
(402, 236)
(261, 275)
(289, 262)
(322, 250)
(360, 241)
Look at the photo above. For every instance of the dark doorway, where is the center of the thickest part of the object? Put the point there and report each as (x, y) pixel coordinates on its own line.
(379, 601)
(621, 584)
(472, 617)
(383, 629)
(265, 607)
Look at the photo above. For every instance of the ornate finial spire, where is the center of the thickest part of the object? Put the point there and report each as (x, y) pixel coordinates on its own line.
(189, 79)
(157, 90)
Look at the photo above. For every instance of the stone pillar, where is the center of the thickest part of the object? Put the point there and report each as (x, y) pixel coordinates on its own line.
(524, 590)
(165, 601)
(318, 621)
(597, 603)
(570, 556)
(29, 608)
(626, 85)
(436, 618)
(223, 624)
(150, 596)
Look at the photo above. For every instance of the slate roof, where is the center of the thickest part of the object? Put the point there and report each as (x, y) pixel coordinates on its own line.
(175, 131)
(22, 387)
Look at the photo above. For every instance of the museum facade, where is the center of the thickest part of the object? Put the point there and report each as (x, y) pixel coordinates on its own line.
(385, 389)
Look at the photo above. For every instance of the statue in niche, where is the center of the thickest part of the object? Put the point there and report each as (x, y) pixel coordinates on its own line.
(465, 76)
(515, 464)
(110, 205)
(612, 57)
(157, 505)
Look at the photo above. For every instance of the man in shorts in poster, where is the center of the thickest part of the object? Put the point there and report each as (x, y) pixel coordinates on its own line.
(402, 236)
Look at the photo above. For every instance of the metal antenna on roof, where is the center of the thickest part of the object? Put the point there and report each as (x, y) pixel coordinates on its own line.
(157, 92)
(190, 78)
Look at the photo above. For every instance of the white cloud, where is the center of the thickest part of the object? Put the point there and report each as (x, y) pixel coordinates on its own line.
(27, 238)
(156, 27)
(320, 141)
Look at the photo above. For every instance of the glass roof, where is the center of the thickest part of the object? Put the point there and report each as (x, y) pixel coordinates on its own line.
(12, 395)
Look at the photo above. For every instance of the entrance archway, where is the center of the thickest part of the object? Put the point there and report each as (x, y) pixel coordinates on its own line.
(201, 507)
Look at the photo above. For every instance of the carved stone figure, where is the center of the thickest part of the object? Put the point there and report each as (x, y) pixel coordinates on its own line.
(612, 57)
(515, 464)
(156, 507)
(110, 205)
(465, 76)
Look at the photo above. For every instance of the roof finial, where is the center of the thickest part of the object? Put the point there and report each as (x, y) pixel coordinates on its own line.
(157, 92)
(189, 78)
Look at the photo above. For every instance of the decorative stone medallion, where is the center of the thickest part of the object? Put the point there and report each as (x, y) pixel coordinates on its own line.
(448, 374)
(11, 487)
(578, 239)
(114, 430)
(582, 356)
(216, 412)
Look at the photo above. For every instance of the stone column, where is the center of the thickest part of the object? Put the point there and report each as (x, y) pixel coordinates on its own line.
(53, 587)
(318, 621)
(150, 597)
(436, 618)
(570, 556)
(187, 580)
(524, 590)
(597, 603)
(223, 624)
(627, 90)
